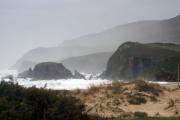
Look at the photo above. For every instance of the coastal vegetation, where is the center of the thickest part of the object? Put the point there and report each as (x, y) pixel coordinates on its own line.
(104, 102)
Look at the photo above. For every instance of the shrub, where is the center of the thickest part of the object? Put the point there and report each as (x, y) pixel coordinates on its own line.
(136, 100)
(143, 86)
(117, 88)
(171, 104)
(153, 98)
(93, 89)
(66, 108)
(140, 114)
(157, 114)
(18, 103)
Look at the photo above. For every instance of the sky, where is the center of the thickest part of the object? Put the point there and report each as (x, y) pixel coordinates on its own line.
(28, 24)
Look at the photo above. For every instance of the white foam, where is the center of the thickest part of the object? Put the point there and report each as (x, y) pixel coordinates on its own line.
(62, 84)
(65, 84)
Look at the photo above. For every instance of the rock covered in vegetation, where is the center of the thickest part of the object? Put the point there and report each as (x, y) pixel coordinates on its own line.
(134, 60)
(48, 70)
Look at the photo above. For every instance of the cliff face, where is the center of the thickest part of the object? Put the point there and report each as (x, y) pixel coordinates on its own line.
(151, 61)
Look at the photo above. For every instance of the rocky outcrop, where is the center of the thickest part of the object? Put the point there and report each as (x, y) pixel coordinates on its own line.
(78, 75)
(26, 74)
(50, 70)
(150, 61)
(47, 71)
(10, 77)
(166, 76)
(26, 65)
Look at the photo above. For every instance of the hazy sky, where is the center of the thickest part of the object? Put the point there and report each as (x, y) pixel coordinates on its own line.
(27, 24)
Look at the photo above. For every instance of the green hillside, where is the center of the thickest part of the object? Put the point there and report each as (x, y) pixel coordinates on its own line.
(151, 61)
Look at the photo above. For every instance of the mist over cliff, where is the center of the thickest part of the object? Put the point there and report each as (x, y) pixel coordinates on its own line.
(31, 24)
(108, 40)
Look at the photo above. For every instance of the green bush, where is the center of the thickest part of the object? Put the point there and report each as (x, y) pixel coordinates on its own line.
(66, 108)
(18, 103)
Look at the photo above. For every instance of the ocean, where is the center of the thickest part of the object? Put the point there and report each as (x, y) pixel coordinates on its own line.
(60, 84)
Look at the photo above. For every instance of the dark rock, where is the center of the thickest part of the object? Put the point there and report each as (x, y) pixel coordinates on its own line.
(47, 71)
(26, 74)
(10, 77)
(25, 65)
(90, 77)
(51, 70)
(166, 76)
(78, 75)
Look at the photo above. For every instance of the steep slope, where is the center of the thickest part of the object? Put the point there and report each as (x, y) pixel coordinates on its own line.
(93, 63)
(150, 61)
(109, 40)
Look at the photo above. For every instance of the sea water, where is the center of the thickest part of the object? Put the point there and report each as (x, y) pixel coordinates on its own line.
(60, 84)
